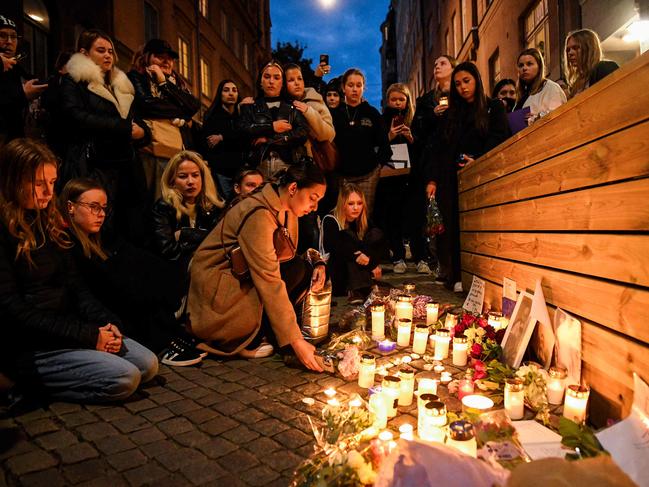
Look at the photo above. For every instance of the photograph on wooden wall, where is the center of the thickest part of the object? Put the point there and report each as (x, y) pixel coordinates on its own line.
(543, 338)
(567, 350)
(519, 331)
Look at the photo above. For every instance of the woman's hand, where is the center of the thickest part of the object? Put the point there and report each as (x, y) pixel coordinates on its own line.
(109, 339)
(248, 100)
(318, 278)
(377, 273)
(137, 132)
(305, 353)
(322, 69)
(394, 131)
(213, 140)
(431, 189)
(439, 109)
(361, 258)
(405, 131)
(156, 72)
(259, 141)
(281, 126)
(301, 106)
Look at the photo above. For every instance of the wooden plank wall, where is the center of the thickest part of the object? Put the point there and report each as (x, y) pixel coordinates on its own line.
(567, 200)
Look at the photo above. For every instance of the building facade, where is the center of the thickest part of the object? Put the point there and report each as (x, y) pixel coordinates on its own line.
(491, 33)
(388, 52)
(215, 39)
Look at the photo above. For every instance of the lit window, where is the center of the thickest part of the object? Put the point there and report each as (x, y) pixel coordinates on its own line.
(183, 58)
(203, 7)
(205, 78)
(537, 29)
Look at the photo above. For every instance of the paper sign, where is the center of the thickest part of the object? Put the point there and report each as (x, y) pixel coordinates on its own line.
(628, 440)
(475, 299)
(509, 297)
(400, 156)
(539, 441)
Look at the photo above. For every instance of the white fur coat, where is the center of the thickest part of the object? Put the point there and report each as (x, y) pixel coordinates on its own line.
(121, 93)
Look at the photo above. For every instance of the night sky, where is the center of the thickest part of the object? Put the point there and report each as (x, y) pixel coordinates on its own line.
(348, 31)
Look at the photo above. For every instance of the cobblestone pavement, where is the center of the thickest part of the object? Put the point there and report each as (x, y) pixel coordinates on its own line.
(226, 422)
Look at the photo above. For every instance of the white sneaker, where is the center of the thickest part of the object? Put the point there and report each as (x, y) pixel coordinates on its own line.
(457, 288)
(400, 267)
(262, 351)
(423, 268)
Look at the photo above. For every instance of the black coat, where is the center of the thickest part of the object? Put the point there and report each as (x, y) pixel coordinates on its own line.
(256, 121)
(165, 226)
(226, 157)
(173, 102)
(46, 306)
(13, 104)
(361, 139)
(603, 69)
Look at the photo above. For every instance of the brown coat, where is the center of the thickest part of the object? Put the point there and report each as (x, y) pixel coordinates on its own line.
(224, 311)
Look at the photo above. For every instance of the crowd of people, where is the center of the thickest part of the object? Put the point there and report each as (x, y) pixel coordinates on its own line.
(127, 227)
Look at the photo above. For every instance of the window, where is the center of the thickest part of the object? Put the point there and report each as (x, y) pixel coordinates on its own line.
(151, 22)
(456, 35)
(203, 7)
(183, 58)
(224, 28)
(36, 27)
(205, 78)
(537, 29)
(465, 20)
(494, 69)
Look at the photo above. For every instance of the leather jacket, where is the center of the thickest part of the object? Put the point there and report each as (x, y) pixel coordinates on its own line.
(173, 102)
(256, 121)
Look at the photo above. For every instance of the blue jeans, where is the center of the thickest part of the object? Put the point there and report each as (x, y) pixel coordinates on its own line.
(90, 376)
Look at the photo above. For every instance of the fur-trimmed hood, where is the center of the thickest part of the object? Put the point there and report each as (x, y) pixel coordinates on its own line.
(83, 70)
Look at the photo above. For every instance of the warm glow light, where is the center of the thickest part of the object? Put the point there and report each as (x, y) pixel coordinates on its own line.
(331, 392)
(333, 402)
(356, 403)
(327, 3)
(35, 17)
(386, 435)
(637, 31)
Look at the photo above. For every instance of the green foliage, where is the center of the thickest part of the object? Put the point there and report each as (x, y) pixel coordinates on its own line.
(581, 437)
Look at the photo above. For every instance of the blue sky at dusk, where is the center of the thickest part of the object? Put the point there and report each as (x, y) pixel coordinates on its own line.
(348, 31)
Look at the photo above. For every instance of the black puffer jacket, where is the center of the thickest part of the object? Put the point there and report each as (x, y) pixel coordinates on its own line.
(165, 226)
(256, 121)
(226, 157)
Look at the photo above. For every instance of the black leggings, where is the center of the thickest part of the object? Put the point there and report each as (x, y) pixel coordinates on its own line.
(296, 274)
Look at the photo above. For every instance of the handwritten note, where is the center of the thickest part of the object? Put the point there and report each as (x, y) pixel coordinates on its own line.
(509, 296)
(475, 299)
(628, 440)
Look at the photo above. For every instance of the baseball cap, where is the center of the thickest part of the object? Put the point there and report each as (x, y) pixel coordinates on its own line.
(159, 46)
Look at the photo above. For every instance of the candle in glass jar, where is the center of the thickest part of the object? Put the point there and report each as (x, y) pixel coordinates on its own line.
(424, 399)
(451, 320)
(461, 437)
(575, 403)
(446, 377)
(460, 349)
(426, 385)
(403, 308)
(409, 287)
(366, 371)
(392, 389)
(378, 321)
(430, 423)
(432, 313)
(495, 319)
(404, 326)
(476, 404)
(378, 406)
(420, 339)
(406, 432)
(387, 345)
(407, 386)
(514, 399)
(442, 339)
(556, 384)
(465, 386)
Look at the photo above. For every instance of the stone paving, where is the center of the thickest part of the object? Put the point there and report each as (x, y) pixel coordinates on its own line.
(225, 422)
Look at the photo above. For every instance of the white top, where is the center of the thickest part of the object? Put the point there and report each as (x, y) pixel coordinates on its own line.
(546, 100)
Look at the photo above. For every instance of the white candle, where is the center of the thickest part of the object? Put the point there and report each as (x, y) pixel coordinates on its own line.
(403, 308)
(406, 432)
(450, 321)
(462, 438)
(330, 392)
(556, 385)
(460, 348)
(407, 386)
(421, 337)
(495, 319)
(333, 402)
(476, 403)
(446, 377)
(514, 399)
(366, 371)
(576, 401)
(426, 385)
(391, 387)
(423, 399)
(432, 313)
(378, 406)
(442, 339)
(378, 322)
(404, 326)
(430, 423)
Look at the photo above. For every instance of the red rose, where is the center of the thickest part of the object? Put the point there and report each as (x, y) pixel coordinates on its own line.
(476, 350)
(482, 323)
(467, 320)
(480, 370)
(500, 334)
(490, 332)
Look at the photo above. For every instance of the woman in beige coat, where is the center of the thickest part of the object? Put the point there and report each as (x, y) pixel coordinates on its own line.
(233, 317)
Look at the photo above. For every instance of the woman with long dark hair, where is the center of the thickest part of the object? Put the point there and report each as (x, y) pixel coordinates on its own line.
(472, 125)
(534, 90)
(60, 340)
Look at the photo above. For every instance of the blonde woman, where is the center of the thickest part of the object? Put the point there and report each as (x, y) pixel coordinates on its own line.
(533, 89)
(188, 209)
(584, 64)
(353, 247)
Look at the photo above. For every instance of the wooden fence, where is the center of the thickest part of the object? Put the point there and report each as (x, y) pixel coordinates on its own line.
(567, 200)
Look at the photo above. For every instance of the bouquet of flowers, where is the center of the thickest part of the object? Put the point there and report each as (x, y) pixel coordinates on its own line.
(481, 337)
(342, 353)
(434, 221)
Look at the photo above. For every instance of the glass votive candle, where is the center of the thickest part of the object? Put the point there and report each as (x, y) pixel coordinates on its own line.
(426, 385)
(407, 386)
(431, 421)
(465, 386)
(423, 399)
(495, 319)
(392, 388)
(438, 368)
(556, 384)
(462, 437)
(446, 377)
(366, 371)
(451, 320)
(420, 339)
(476, 404)
(404, 327)
(576, 402)
(514, 398)
(387, 346)
(378, 406)
(378, 321)
(442, 340)
(403, 308)
(406, 432)
(409, 288)
(432, 313)
(460, 350)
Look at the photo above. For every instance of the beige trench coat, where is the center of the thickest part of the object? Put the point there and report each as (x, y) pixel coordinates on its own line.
(225, 312)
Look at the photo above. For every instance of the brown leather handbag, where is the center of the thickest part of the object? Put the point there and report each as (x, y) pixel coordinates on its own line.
(325, 155)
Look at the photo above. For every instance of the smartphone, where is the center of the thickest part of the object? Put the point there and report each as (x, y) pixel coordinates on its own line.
(398, 120)
(324, 58)
(443, 101)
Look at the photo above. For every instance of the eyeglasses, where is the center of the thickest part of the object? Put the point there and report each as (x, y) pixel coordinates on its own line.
(9, 37)
(94, 208)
